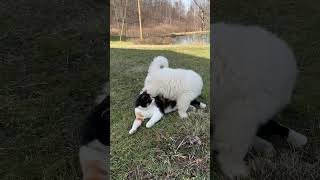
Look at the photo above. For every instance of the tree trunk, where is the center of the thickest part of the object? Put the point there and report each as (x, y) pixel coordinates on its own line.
(139, 11)
(123, 19)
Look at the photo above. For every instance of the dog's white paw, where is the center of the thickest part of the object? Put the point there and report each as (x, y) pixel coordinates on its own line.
(149, 124)
(296, 139)
(202, 105)
(182, 115)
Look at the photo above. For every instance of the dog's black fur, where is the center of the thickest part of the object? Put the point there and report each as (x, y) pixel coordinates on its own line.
(272, 127)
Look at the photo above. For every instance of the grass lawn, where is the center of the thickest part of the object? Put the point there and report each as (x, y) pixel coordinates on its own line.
(297, 22)
(165, 149)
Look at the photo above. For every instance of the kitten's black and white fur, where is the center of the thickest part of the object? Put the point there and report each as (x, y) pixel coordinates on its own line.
(154, 108)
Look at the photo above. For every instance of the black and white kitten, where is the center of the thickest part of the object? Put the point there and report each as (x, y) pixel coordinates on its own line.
(154, 108)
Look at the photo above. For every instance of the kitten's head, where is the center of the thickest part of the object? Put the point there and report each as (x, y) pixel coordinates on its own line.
(144, 100)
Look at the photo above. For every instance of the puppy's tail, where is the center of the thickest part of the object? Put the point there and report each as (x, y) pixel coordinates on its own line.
(158, 62)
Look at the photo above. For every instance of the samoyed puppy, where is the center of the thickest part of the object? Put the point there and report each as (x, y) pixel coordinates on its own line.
(254, 74)
(178, 85)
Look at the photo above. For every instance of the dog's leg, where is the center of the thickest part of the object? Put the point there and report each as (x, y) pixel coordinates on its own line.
(296, 139)
(202, 105)
(183, 103)
(154, 119)
(170, 109)
(198, 103)
(234, 131)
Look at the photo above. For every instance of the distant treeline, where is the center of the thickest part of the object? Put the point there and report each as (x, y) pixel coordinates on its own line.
(158, 17)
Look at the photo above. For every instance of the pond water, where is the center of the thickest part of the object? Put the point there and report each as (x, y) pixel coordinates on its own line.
(193, 38)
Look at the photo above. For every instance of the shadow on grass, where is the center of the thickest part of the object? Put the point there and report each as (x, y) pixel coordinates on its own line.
(161, 142)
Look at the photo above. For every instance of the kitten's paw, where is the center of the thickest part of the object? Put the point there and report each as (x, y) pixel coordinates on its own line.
(149, 124)
(202, 105)
(132, 131)
(182, 115)
(296, 139)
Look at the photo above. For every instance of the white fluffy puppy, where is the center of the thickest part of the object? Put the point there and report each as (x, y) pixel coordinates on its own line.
(254, 75)
(178, 85)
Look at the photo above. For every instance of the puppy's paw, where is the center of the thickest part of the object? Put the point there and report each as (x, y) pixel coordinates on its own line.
(296, 139)
(202, 105)
(183, 115)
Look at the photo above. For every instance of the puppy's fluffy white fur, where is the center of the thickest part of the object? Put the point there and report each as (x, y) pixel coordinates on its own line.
(254, 74)
(178, 85)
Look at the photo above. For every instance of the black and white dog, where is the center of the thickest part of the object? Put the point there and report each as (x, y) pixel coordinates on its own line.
(154, 108)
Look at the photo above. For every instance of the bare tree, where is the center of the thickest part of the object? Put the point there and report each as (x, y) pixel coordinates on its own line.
(139, 11)
(123, 19)
(203, 14)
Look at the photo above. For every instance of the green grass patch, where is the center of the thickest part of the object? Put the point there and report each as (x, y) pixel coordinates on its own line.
(165, 149)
